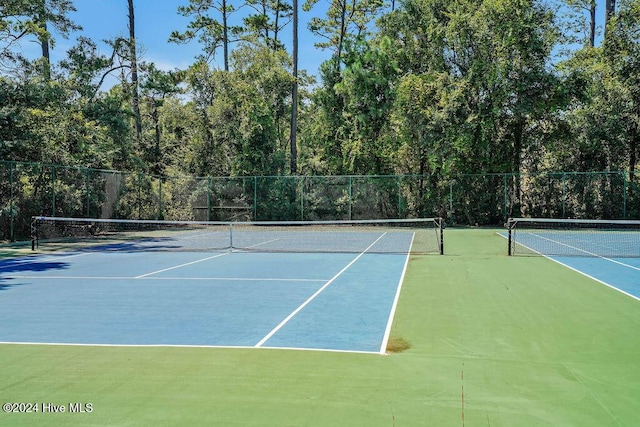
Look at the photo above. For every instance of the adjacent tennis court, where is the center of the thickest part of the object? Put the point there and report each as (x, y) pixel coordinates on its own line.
(161, 283)
(606, 251)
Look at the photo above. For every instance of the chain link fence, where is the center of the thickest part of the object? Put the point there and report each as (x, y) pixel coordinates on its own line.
(29, 189)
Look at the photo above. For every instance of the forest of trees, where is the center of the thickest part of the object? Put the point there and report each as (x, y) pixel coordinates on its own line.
(435, 88)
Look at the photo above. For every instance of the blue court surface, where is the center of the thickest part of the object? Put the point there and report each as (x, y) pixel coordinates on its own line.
(605, 257)
(323, 301)
(622, 274)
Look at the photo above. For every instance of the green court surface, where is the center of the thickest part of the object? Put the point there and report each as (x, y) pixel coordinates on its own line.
(493, 341)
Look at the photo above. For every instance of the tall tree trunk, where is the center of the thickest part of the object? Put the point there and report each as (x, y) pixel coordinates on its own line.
(225, 35)
(277, 22)
(343, 32)
(609, 11)
(46, 56)
(134, 73)
(294, 94)
(157, 161)
(634, 142)
(44, 39)
(592, 26)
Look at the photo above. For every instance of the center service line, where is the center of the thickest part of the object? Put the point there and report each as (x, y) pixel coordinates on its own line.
(312, 297)
(181, 265)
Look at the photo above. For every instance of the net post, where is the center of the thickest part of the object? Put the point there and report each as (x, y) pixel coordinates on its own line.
(510, 223)
(34, 233)
(231, 236)
(440, 224)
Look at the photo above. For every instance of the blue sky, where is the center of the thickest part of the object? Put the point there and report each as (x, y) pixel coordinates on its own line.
(155, 20)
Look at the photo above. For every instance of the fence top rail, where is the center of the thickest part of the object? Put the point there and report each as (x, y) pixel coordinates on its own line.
(297, 177)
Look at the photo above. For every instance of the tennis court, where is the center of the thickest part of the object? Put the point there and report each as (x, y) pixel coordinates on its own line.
(606, 251)
(183, 285)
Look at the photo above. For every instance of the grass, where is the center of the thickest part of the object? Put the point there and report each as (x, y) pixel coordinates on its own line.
(527, 342)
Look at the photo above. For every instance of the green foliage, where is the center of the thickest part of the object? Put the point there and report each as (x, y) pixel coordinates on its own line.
(449, 91)
(26, 20)
(243, 114)
(209, 31)
(344, 19)
(269, 18)
(323, 133)
(367, 91)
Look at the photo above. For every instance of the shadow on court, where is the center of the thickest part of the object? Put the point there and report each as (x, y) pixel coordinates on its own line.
(156, 244)
(25, 265)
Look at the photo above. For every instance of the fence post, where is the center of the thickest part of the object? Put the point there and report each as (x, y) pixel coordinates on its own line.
(564, 194)
(624, 194)
(255, 198)
(399, 178)
(160, 208)
(208, 198)
(11, 203)
(451, 201)
(350, 197)
(139, 175)
(504, 180)
(53, 190)
(301, 184)
(87, 191)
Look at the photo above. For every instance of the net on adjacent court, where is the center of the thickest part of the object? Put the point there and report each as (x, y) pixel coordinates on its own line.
(424, 235)
(573, 237)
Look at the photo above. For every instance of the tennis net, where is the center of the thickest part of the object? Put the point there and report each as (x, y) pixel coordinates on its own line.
(574, 237)
(420, 236)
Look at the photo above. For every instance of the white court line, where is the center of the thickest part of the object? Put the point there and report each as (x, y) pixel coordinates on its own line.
(198, 234)
(181, 265)
(229, 279)
(228, 347)
(312, 297)
(73, 255)
(253, 246)
(387, 332)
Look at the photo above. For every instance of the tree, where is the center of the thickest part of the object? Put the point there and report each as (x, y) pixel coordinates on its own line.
(593, 122)
(21, 19)
(212, 33)
(343, 18)
(368, 88)
(323, 133)
(293, 168)
(622, 49)
(82, 74)
(579, 7)
(135, 96)
(270, 17)
(243, 116)
(156, 87)
(610, 10)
